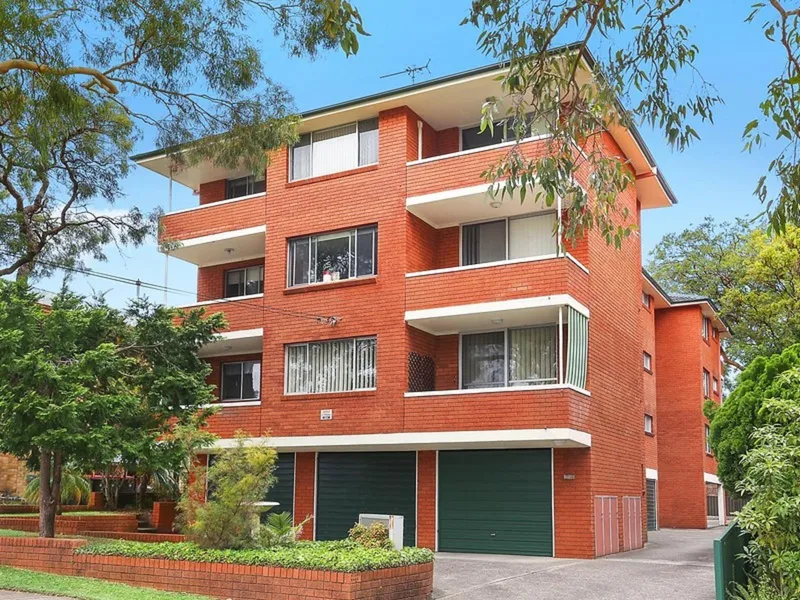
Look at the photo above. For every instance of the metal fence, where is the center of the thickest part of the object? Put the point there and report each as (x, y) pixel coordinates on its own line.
(729, 564)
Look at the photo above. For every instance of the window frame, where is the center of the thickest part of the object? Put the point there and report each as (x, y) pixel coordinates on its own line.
(250, 186)
(307, 345)
(706, 383)
(715, 386)
(648, 419)
(497, 144)
(353, 232)
(311, 153)
(506, 365)
(707, 434)
(706, 327)
(244, 284)
(241, 381)
(647, 361)
(506, 221)
(647, 300)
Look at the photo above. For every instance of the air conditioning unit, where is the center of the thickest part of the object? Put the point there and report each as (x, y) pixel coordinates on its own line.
(394, 523)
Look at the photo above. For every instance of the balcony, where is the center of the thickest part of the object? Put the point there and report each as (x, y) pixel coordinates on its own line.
(494, 282)
(447, 190)
(244, 333)
(217, 232)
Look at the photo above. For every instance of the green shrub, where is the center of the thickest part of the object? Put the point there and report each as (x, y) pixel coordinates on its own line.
(239, 478)
(374, 536)
(340, 556)
(279, 530)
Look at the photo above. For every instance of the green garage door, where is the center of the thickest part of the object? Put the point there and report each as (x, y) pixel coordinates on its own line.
(283, 490)
(351, 483)
(496, 502)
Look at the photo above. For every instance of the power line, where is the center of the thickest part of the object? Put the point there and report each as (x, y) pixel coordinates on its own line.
(322, 319)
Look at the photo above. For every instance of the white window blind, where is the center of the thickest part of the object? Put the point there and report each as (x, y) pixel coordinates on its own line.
(332, 366)
(532, 236)
(532, 356)
(336, 149)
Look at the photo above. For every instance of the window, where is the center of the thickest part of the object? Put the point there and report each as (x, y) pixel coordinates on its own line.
(520, 237)
(333, 256)
(706, 384)
(335, 149)
(244, 282)
(648, 424)
(706, 327)
(646, 300)
(334, 366)
(716, 385)
(715, 333)
(707, 432)
(510, 357)
(241, 381)
(472, 137)
(245, 186)
(647, 361)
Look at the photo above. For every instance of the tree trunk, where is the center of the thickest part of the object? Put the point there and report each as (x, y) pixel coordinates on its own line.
(56, 487)
(141, 489)
(47, 509)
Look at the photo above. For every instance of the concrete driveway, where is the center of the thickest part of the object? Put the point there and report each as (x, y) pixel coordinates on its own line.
(675, 564)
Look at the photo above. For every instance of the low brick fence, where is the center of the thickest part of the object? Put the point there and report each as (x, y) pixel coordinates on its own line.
(27, 509)
(137, 537)
(76, 524)
(239, 582)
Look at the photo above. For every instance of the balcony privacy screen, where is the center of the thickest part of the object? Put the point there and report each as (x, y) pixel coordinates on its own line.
(334, 366)
(577, 348)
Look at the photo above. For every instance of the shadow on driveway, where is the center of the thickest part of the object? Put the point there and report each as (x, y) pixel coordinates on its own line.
(676, 564)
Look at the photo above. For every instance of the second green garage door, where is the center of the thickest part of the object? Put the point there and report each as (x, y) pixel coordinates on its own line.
(496, 502)
(351, 483)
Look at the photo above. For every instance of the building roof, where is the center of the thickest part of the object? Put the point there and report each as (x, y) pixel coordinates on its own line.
(708, 306)
(635, 137)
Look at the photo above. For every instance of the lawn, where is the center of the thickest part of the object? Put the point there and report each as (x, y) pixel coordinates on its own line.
(81, 587)
(15, 533)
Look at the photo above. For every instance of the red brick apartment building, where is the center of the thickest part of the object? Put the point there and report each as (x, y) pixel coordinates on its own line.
(481, 378)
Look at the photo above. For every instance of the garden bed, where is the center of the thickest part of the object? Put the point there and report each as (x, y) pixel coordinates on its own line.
(305, 571)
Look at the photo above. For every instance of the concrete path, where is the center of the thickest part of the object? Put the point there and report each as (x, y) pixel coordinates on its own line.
(8, 595)
(675, 564)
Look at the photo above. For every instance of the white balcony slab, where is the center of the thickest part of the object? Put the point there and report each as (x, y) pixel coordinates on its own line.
(221, 248)
(229, 343)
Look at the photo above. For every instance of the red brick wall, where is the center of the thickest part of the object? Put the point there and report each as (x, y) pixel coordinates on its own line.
(681, 446)
(214, 218)
(305, 481)
(216, 579)
(710, 357)
(648, 319)
(164, 516)
(573, 503)
(426, 499)
(213, 191)
(12, 474)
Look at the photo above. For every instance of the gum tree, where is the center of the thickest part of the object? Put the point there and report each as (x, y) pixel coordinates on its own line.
(80, 80)
(76, 375)
(646, 58)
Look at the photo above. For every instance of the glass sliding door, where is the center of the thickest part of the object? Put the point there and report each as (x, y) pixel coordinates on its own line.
(483, 360)
(517, 237)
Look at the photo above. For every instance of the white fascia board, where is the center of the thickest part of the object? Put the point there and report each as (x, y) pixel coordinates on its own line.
(651, 474)
(436, 440)
(225, 235)
(242, 334)
(711, 478)
(222, 301)
(502, 305)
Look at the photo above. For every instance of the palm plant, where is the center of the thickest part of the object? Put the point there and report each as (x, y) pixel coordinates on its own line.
(74, 488)
(279, 530)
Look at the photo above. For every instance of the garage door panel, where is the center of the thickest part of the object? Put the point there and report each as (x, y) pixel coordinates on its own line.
(496, 501)
(351, 483)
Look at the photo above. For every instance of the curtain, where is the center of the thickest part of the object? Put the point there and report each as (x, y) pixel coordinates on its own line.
(483, 242)
(335, 149)
(301, 157)
(297, 379)
(533, 356)
(532, 236)
(483, 360)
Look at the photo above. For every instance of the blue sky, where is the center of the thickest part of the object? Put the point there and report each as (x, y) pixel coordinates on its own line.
(713, 177)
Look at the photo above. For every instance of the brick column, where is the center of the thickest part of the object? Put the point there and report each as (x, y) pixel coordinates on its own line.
(426, 499)
(304, 485)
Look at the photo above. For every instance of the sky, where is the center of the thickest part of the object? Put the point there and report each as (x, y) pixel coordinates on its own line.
(713, 177)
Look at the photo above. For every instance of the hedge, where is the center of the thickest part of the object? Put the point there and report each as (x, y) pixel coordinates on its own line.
(341, 556)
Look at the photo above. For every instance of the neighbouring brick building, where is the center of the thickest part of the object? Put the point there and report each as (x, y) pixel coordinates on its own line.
(412, 349)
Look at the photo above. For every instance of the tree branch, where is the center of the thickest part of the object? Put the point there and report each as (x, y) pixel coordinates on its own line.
(19, 64)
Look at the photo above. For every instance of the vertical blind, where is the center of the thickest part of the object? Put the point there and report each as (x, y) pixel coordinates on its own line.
(335, 149)
(332, 366)
(519, 237)
(526, 356)
(577, 348)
